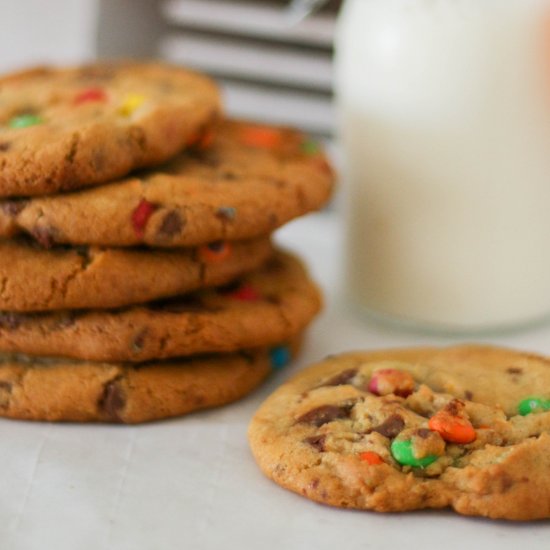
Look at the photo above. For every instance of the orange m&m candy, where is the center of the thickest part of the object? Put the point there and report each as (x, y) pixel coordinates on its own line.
(214, 253)
(453, 429)
(371, 458)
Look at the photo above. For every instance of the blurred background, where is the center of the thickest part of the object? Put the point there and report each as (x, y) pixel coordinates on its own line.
(270, 70)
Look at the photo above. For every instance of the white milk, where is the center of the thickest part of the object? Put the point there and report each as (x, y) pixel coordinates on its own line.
(445, 126)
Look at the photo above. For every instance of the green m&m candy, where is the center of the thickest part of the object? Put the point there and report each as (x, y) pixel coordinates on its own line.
(402, 451)
(533, 405)
(310, 147)
(25, 120)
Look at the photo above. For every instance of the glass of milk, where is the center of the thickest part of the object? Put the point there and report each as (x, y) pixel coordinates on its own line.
(445, 127)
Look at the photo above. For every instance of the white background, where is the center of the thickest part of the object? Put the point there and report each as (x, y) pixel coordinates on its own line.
(40, 31)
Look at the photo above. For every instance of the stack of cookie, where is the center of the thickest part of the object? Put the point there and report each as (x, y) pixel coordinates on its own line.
(132, 297)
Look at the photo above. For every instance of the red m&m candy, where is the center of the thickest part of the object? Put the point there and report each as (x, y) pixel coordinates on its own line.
(90, 95)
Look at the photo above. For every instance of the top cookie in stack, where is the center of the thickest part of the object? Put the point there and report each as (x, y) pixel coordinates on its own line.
(88, 250)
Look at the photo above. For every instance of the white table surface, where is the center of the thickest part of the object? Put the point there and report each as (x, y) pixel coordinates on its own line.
(191, 483)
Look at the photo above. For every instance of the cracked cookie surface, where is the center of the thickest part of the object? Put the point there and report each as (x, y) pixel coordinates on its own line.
(465, 427)
(250, 180)
(63, 129)
(71, 391)
(264, 307)
(36, 279)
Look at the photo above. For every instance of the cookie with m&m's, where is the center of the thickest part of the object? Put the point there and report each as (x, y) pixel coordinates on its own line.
(249, 180)
(38, 279)
(466, 427)
(64, 129)
(77, 391)
(264, 307)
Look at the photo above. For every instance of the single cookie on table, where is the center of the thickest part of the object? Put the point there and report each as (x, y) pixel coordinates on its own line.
(35, 279)
(62, 390)
(264, 307)
(393, 431)
(63, 129)
(249, 181)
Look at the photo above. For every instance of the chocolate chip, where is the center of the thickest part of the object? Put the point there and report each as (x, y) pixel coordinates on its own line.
(171, 224)
(514, 370)
(504, 482)
(10, 320)
(391, 427)
(324, 414)
(273, 299)
(454, 407)
(4, 146)
(139, 341)
(12, 208)
(229, 175)
(342, 378)
(112, 401)
(44, 236)
(226, 213)
(317, 442)
(5, 386)
(423, 433)
(66, 320)
(468, 395)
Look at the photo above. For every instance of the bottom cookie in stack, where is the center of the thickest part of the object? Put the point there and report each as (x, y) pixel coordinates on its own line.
(34, 388)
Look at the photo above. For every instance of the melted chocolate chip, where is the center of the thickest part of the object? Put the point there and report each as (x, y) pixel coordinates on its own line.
(226, 213)
(342, 378)
(317, 442)
(454, 407)
(273, 299)
(12, 208)
(139, 341)
(468, 395)
(391, 427)
(10, 320)
(172, 224)
(6, 386)
(514, 370)
(44, 236)
(66, 320)
(229, 175)
(112, 401)
(4, 146)
(423, 433)
(325, 414)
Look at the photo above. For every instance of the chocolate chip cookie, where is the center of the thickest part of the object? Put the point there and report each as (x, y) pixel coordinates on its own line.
(63, 129)
(465, 427)
(247, 182)
(57, 390)
(35, 279)
(264, 307)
